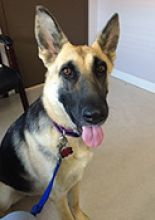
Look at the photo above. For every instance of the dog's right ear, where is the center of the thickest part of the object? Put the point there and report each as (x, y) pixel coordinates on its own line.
(49, 35)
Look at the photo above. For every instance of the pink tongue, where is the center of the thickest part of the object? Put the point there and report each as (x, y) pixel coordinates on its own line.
(92, 136)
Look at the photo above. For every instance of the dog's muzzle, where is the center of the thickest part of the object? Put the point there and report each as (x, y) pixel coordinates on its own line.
(93, 116)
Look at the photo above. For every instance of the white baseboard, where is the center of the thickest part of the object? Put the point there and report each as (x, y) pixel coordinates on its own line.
(141, 83)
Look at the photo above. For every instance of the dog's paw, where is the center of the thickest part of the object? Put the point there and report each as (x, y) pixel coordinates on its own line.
(81, 216)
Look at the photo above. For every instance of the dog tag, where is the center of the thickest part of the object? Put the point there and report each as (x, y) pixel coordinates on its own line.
(64, 149)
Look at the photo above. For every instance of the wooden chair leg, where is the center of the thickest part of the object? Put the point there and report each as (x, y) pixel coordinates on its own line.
(23, 96)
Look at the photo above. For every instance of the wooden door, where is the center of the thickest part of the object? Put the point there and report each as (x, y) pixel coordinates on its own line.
(17, 20)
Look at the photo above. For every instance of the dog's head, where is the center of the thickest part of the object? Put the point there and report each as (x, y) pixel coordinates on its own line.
(77, 79)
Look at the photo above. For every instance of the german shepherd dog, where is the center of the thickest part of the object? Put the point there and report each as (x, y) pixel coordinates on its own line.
(73, 103)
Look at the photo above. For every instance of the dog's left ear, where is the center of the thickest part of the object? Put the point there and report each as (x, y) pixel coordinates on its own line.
(49, 35)
(108, 38)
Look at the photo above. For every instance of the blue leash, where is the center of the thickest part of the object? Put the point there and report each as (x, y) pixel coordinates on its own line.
(36, 209)
(64, 151)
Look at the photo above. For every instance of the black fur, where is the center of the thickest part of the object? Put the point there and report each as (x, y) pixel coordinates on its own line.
(12, 171)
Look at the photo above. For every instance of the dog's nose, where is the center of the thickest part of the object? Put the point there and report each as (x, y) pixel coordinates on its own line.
(93, 116)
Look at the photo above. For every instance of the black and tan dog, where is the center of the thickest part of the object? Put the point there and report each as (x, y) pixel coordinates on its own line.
(73, 102)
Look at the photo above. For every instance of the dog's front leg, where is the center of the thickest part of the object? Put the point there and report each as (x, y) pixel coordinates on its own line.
(63, 209)
(73, 197)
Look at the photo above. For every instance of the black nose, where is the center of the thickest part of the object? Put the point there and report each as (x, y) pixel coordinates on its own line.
(94, 116)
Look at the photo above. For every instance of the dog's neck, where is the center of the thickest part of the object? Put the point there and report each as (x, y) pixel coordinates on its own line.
(63, 124)
(67, 131)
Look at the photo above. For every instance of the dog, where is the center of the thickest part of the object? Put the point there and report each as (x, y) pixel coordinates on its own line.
(73, 104)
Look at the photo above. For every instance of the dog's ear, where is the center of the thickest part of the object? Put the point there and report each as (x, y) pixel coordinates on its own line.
(49, 35)
(107, 40)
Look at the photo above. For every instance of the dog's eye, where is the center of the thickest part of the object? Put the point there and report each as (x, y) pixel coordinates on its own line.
(101, 69)
(67, 72)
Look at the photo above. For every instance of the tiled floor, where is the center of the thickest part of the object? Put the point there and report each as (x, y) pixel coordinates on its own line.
(119, 183)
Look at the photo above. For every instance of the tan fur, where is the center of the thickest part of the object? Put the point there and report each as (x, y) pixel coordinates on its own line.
(72, 168)
(8, 197)
(66, 185)
(82, 57)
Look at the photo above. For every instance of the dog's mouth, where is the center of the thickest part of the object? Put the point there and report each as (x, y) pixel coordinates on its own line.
(91, 129)
(92, 135)
(89, 123)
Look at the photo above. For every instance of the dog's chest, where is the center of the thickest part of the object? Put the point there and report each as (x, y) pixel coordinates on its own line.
(70, 171)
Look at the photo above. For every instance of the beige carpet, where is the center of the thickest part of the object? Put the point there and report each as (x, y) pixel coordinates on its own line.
(119, 183)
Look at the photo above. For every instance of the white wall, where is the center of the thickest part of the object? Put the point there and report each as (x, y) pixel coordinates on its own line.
(136, 50)
(92, 20)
